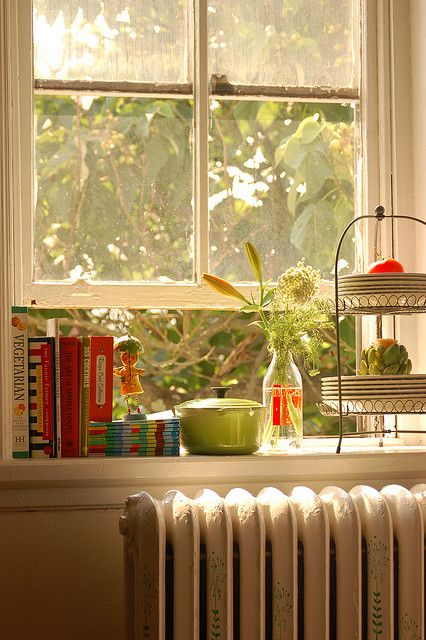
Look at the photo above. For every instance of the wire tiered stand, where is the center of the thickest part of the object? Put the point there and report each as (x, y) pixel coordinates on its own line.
(373, 294)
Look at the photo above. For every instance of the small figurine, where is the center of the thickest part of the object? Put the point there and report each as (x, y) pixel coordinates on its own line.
(130, 349)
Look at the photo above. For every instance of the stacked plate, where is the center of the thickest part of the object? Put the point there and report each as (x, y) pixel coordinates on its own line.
(396, 290)
(377, 394)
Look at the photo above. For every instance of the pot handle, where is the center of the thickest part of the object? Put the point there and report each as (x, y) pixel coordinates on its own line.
(220, 391)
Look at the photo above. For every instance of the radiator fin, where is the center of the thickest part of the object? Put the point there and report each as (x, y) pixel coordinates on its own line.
(345, 530)
(249, 527)
(183, 532)
(408, 530)
(376, 528)
(281, 531)
(216, 530)
(313, 528)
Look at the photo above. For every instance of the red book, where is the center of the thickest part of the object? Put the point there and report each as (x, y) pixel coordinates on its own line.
(101, 373)
(70, 396)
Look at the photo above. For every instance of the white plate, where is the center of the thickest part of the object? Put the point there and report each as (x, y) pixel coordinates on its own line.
(382, 287)
(369, 379)
(382, 276)
(349, 395)
(379, 406)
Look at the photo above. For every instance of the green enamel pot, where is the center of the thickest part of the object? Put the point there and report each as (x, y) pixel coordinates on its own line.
(221, 426)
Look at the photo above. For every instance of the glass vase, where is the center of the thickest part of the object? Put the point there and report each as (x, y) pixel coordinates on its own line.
(283, 398)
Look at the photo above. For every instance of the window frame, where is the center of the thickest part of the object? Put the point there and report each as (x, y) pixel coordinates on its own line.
(196, 295)
(382, 25)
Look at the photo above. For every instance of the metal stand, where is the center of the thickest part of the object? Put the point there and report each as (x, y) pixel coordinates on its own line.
(394, 304)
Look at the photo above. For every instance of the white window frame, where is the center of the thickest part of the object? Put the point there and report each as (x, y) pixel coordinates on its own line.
(384, 84)
(82, 293)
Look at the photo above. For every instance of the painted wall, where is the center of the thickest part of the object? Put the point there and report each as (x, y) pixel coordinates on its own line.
(61, 570)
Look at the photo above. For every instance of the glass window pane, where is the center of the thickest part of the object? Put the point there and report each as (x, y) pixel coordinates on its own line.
(284, 42)
(114, 188)
(112, 40)
(281, 176)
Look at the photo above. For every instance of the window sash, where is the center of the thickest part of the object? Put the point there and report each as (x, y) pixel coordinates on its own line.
(186, 295)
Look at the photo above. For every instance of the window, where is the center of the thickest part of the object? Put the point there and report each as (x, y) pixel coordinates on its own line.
(152, 165)
(147, 173)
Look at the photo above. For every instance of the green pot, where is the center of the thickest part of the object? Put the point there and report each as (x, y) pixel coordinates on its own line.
(221, 426)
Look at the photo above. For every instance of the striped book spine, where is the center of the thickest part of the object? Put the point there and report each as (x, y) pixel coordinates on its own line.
(41, 368)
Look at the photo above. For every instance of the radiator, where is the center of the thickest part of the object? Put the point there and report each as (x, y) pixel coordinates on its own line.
(276, 567)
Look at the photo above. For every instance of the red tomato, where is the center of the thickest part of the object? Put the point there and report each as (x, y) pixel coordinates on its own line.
(386, 265)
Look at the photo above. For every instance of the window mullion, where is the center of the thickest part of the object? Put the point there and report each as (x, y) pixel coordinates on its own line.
(201, 149)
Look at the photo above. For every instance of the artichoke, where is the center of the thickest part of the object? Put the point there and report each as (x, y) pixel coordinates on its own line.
(385, 357)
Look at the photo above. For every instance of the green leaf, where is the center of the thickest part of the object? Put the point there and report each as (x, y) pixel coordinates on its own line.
(315, 169)
(268, 113)
(308, 130)
(314, 234)
(294, 152)
(249, 308)
(268, 297)
(292, 198)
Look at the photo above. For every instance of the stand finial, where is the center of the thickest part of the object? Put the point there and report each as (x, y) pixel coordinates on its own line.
(379, 212)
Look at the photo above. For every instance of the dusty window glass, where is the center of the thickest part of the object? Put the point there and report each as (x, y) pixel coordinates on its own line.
(114, 172)
(282, 176)
(298, 43)
(114, 188)
(112, 40)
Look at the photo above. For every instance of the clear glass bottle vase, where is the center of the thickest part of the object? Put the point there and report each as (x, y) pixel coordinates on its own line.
(283, 398)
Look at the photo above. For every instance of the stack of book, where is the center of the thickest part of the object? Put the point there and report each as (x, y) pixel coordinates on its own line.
(59, 384)
(134, 438)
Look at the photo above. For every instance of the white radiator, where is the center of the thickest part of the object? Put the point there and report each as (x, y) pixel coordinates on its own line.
(275, 567)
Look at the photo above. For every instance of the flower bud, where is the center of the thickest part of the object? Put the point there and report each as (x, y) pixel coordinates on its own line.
(254, 260)
(223, 287)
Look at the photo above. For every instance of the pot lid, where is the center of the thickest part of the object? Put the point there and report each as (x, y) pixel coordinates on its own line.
(220, 403)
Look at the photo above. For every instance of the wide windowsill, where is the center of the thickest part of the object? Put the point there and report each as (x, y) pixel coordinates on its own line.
(88, 483)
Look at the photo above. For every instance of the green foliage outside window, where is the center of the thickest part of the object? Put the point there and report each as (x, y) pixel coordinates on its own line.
(114, 201)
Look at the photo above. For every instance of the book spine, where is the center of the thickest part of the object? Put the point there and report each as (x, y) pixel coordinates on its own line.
(53, 330)
(101, 377)
(69, 396)
(84, 392)
(42, 397)
(20, 400)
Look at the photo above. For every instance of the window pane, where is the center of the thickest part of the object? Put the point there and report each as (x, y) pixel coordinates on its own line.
(284, 42)
(114, 188)
(281, 176)
(112, 40)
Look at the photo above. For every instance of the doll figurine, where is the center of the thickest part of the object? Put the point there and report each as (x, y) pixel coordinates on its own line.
(129, 349)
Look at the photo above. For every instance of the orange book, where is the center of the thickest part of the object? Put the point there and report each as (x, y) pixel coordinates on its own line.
(101, 381)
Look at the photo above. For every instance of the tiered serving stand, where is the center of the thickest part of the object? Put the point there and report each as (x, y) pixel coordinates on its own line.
(374, 294)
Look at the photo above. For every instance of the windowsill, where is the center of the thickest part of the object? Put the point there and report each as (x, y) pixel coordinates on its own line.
(85, 483)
